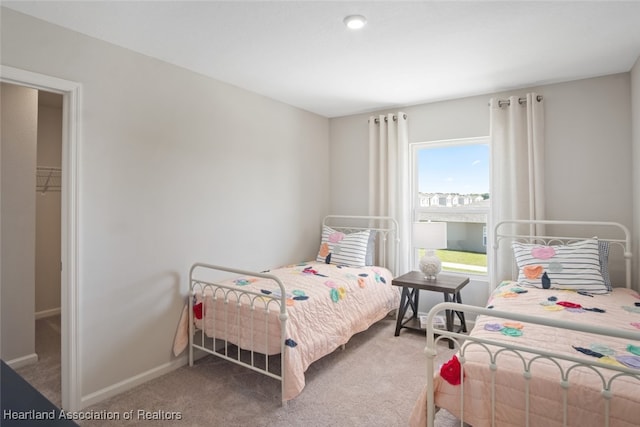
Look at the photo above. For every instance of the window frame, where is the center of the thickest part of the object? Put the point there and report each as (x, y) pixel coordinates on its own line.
(415, 207)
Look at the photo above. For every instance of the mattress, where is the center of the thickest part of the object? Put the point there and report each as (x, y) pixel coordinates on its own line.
(550, 382)
(326, 304)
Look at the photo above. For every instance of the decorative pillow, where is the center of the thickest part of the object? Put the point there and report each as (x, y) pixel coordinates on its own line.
(344, 249)
(371, 249)
(573, 266)
(603, 248)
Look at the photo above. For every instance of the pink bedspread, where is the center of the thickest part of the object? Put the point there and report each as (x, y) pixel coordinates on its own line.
(327, 305)
(585, 402)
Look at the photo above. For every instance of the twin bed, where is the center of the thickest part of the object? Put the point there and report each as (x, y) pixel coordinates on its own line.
(557, 346)
(278, 322)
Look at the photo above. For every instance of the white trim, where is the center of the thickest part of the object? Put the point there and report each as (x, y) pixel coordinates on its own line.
(71, 125)
(136, 380)
(19, 362)
(47, 313)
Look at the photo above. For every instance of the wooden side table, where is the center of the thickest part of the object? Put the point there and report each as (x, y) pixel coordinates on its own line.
(413, 282)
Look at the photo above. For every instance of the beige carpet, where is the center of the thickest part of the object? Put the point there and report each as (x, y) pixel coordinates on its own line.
(45, 375)
(374, 381)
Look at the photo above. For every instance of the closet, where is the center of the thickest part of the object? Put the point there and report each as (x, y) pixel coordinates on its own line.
(31, 155)
(48, 322)
(48, 208)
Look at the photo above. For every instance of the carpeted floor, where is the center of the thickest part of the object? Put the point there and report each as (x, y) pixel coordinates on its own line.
(374, 381)
(45, 375)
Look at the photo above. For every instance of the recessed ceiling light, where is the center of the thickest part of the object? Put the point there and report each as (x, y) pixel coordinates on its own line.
(355, 22)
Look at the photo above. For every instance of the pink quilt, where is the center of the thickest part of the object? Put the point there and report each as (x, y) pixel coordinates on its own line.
(585, 402)
(326, 304)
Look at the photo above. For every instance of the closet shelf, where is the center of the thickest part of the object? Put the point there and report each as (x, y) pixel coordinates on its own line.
(48, 179)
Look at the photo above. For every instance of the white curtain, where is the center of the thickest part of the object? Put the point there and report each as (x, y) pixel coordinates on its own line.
(389, 178)
(517, 167)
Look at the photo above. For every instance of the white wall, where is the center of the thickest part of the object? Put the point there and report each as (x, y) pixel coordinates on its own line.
(589, 127)
(463, 118)
(635, 123)
(587, 123)
(174, 168)
(19, 114)
(588, 150)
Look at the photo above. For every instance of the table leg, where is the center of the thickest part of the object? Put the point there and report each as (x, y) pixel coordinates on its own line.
(448, 313)
(449, 316)
(416, 300)
(404, 303)
(460, 314)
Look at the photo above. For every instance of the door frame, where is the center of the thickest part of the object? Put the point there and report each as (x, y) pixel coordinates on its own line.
(70, 291)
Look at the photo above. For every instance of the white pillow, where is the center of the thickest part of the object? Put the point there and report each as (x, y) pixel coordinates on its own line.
(573, 266)
(343, 249)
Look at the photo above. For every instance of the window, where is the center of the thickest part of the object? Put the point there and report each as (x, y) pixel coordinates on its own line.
(450, 183)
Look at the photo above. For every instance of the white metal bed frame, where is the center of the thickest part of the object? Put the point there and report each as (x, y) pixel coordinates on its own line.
(261, 305)
(503, 234)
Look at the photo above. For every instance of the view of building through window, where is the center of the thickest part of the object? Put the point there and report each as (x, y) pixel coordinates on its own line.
(451, 184)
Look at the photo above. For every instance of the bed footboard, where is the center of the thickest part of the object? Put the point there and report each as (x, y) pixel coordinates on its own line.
(239, 325)
(512, 375)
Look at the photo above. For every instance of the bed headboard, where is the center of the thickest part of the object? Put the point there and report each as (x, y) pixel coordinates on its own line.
(384, 231)
(551, 232)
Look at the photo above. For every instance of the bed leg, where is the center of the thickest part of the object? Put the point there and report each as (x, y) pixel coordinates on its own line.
(343, 346)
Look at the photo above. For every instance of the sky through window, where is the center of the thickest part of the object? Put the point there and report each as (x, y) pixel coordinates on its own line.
(462, 169)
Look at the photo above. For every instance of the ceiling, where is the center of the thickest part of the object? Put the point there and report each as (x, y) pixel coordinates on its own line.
(300, 52)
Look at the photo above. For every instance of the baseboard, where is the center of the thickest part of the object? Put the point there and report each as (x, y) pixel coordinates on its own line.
(47, 313)
(19, 362)
(129, 383)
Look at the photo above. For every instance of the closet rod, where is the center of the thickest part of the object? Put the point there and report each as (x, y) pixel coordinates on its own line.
(48, 179)
(503, 102)
(395, 118)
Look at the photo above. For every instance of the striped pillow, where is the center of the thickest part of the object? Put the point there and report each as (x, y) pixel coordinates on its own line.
(603, 246)
(343, 249)
(573, 266)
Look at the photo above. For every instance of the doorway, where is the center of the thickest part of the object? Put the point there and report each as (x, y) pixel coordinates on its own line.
(70, 341)
(45, 375)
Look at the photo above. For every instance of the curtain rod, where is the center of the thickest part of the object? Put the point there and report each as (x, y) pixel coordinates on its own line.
(503, 102)
(395, 118)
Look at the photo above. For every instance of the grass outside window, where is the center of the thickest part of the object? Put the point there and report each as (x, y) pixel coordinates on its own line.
(458, 260)
(466, 258)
